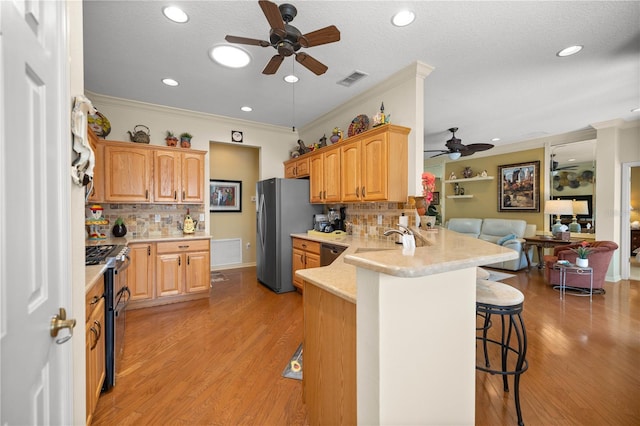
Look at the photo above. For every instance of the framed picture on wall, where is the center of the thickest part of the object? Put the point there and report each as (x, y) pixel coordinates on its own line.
(519, 187)
(436, 199)
(225, 195)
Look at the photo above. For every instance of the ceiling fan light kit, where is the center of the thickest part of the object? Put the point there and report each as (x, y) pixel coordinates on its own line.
(456, 149)
(287, 39)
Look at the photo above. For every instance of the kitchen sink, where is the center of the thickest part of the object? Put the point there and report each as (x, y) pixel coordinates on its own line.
(370, 249)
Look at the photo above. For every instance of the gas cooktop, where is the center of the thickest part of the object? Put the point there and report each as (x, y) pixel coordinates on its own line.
(98, 255)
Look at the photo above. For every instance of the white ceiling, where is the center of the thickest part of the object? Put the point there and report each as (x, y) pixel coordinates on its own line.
(496, 71)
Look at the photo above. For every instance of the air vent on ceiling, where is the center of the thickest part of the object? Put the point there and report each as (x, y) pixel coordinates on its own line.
(352, 78)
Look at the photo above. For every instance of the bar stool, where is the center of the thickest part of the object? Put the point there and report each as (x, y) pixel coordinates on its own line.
(494, 298)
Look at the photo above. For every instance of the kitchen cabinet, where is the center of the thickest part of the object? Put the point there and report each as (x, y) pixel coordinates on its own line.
(127, 173)
(140, 272)
(374, 165)
(324, 176)
(305, 254)
(182, 267)
(178, 177)
(96, 189)
(94, 346)
(296, 168)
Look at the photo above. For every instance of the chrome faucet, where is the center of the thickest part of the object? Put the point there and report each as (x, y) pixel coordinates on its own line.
(405, 229)
(392, 231)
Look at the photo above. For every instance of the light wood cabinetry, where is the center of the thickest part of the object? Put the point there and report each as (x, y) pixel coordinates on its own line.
(296, 168)
(168, 272)
(178, 177)
(305, 254)
(127, 174)
(94, 346)
(140, 272)
(329, 380)
(324, 176)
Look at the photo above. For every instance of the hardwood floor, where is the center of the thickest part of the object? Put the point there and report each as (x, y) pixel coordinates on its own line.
(219, 360)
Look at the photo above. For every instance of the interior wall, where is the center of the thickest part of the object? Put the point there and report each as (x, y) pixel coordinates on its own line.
(233, 162)
(484, 203)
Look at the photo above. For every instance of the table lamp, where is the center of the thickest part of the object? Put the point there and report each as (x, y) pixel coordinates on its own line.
(579, 207)
(558, 207)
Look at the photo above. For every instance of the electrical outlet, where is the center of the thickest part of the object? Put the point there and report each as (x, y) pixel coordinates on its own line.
(248, 245)
(379, 219)
(201, 217)
(157, 218)
(253, 198)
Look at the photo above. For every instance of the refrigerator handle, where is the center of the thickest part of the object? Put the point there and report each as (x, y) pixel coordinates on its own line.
(261, 219)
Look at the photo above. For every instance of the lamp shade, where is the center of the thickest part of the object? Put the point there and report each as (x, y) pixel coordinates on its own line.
(454, 155)
(558, 207)
(580, 207)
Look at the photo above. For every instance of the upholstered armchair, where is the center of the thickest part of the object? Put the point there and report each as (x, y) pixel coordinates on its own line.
(599, 259)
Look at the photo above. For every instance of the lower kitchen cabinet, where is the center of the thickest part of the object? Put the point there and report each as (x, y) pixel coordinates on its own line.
(94, 346)
(305, 254)
(168, 272)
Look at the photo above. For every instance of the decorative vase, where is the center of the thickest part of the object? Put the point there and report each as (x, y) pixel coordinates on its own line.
(583, 263)
(171, 141)
(421, 206)
(185, 142)
(119, 230)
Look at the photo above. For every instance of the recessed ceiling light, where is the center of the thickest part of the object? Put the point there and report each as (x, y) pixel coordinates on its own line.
(246, 109)
(403, 18)
(291, 78)
(175, 14)
(571, 159)
(230, 56)
(170, 82)
(568, 51)
(495, 139)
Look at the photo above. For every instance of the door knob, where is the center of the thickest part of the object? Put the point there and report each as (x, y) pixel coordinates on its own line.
(59, 322)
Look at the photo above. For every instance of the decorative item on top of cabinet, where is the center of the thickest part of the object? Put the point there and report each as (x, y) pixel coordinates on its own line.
(99, 124)
(139, 135)
(171, 139)
(336, 135)
(185, 139)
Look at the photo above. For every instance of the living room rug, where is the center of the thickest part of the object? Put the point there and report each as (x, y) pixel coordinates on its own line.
(217, 277)
(498, 276)
(293, 370)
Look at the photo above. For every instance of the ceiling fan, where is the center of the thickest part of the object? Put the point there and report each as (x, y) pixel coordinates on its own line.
(456, 149)
(287, 39)
(555, 164)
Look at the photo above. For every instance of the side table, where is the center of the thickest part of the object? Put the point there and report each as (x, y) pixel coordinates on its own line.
(541, 243)
(568, 270)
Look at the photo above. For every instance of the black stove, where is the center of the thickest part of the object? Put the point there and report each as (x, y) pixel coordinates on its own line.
(106, 253)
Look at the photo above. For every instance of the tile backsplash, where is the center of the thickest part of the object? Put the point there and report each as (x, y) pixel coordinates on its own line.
(140, 219)
(364, 218)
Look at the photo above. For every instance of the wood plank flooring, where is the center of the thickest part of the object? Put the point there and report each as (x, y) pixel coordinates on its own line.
(219, 360)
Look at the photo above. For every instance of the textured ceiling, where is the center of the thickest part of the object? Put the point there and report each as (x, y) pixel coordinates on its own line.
(496, 73)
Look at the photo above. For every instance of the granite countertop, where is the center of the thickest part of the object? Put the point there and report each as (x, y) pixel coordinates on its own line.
(438, 251)
(92, 273)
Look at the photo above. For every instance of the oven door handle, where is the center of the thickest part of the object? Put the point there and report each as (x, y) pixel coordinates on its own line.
(124, 265)
(122, 298)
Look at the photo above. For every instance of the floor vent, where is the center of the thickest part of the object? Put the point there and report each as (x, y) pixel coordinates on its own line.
(226, 252)
(355, 76)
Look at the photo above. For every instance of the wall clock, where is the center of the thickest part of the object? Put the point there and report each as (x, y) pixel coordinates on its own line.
(236, 136)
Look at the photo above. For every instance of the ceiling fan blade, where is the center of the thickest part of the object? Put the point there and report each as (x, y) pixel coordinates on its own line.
(438, 155)
(324, 35)
(244, 40)
(273, 65)
(272, 13)
(436, 150)
(311, 63)
(476, 147)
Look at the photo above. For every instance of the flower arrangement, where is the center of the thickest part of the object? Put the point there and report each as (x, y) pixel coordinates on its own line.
(583, 251)
(428, 186)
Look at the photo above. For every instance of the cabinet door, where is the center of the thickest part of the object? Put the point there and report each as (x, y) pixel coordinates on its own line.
(297, 263)
(350, 172)
(331, 178)
(166, 176)
(95, 358)
(169, 274)
(316, 175)
(312, 260)
(127, 174)
(302, 168)
(140, 272)
(193, 178)
(97, 190)
(290, 169)
(197, 275)
(374, 173)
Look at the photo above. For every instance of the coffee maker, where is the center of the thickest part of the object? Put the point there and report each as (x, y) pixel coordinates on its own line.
(337, 219)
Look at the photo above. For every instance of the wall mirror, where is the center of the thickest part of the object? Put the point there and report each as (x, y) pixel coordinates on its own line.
(573, 174)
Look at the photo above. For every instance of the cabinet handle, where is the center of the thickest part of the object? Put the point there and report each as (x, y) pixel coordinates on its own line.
(146, 194)
(364, 194)
(183, 247)
(148, 250)
(357, 192)
(295, 171)
(188, 260)
(304, 245)
(324, 195)
(95, 300)
(175, 195)
(302, 259)
(95, 341)
(97, 323)
(183, 195)
(179, 263)
(320, 195)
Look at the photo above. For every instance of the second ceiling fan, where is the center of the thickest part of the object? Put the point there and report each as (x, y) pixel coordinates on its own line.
(288, 40)
(456, 149)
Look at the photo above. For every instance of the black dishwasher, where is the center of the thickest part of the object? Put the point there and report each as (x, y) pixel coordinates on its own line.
(329, 253)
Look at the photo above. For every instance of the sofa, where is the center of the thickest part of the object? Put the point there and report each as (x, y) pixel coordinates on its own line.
(508, 233)
(599, 259)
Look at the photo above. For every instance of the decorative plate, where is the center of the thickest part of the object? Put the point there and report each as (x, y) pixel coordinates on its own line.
(99, 124)
(358, 125)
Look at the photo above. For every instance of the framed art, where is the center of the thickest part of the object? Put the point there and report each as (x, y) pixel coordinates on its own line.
(436, 199)
(519, 187)
(225, 195)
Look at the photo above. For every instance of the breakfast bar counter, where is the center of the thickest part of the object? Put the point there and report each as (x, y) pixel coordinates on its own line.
(398, 325)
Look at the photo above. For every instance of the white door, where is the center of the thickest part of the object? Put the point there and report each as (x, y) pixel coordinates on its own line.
(35, 160)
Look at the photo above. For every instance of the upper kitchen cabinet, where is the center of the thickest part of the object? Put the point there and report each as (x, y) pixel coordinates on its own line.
(374, 165)
(178, 177)
(296, 168)
(127, 173)
(324, 176)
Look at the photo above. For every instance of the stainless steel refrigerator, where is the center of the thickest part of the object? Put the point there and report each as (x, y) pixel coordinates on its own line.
(283, 209)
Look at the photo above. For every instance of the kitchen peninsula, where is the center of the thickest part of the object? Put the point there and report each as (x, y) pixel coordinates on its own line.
(412, 336)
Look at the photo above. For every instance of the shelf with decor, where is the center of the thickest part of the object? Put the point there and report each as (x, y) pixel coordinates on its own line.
(472, 179)
(460, 196)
